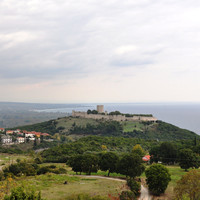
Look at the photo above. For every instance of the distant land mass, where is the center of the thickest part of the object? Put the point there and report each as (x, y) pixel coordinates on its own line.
(77, 127)
(18, 114)
(184, 115)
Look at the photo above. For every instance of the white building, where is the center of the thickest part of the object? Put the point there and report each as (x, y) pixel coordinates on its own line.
(29, 135)
(20, 140)
(6, 139)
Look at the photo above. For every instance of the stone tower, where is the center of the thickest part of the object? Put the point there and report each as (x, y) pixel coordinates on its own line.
(100, 108)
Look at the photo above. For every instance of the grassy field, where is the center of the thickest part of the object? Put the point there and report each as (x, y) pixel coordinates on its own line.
(130, 126)
(6, 159)
(52, 185)
(67, 122)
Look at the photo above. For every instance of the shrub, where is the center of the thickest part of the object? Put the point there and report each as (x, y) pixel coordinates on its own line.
(20, 194)
(158, 178)
(43, 170)
(127, 195)
(188, 186)
(21, 168)
(134, 186)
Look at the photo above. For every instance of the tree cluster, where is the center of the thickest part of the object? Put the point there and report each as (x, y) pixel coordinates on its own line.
(130, 164)
(113, 128)
(169, 153)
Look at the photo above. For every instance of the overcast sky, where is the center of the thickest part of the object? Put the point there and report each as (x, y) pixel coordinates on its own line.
(66, 51)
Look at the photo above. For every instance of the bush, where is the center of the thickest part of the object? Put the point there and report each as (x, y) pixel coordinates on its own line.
(188, 186)
(127, 195)
(21, 168)
(134, 186)
(51, 169)
(158, 178)
(43, 170)
(20, 194)
(38, 161)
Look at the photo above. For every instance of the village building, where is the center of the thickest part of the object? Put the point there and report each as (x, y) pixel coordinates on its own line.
(9, 132)
(29, 134)
(6, 139)
(17, 131)
(20, 139)
(2, 130)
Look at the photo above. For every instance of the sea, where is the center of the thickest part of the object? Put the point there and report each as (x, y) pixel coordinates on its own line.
(183, 115)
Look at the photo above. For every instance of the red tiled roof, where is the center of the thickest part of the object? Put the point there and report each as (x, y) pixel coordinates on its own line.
(146, 158)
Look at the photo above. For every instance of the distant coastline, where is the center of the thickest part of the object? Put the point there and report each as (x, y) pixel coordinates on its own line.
(184, 115)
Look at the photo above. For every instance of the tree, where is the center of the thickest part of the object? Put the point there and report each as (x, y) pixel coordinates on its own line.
(138, 150)
(157, 178)
(76, 163)
(166, 152)
(188, 186)
(108, 161)
(187, 159)
(131, 165)
(90, 163)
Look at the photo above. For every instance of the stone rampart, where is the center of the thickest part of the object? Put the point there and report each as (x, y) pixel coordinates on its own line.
(112, 117)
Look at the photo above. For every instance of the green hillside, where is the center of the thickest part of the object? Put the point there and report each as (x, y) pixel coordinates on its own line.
(79, 127)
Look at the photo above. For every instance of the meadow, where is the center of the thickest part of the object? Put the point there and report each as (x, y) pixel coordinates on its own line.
(52, 186)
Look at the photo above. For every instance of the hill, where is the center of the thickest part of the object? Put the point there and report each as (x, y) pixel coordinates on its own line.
(79, 127)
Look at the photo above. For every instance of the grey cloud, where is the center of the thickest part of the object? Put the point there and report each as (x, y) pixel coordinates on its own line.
(79, 37)
(131, 62)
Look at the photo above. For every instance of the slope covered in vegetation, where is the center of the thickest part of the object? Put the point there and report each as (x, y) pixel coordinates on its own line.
(69, 126)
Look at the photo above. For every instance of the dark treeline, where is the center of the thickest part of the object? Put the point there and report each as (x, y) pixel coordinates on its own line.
(108, 128)
(95, 144)
(186, 154)
(129, 164)
(161, 151)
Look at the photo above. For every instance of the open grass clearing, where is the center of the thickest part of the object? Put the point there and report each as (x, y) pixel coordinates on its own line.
(52, 185)
(6, 159)
(129, 126)
(67, 122)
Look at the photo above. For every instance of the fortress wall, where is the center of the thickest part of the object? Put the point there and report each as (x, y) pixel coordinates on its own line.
(112, 117)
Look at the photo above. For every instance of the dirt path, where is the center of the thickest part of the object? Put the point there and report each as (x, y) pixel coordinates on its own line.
(102, 177)
(144, 194)
(144, 191)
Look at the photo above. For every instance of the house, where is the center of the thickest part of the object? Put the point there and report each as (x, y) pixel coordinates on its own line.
(9, 132)
(2, 129)
(38, 134)
(146, 158)
(31, 138)
(45, 134)
(29, 134)
(6, 139)
(17, 131)
(20, 140)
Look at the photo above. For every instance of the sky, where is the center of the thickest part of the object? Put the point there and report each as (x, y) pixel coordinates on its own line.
(66, 51)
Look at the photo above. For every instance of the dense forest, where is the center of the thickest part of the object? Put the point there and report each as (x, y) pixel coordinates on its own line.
(120, 145)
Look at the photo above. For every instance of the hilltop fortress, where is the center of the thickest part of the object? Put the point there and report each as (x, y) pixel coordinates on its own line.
(104, 115)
